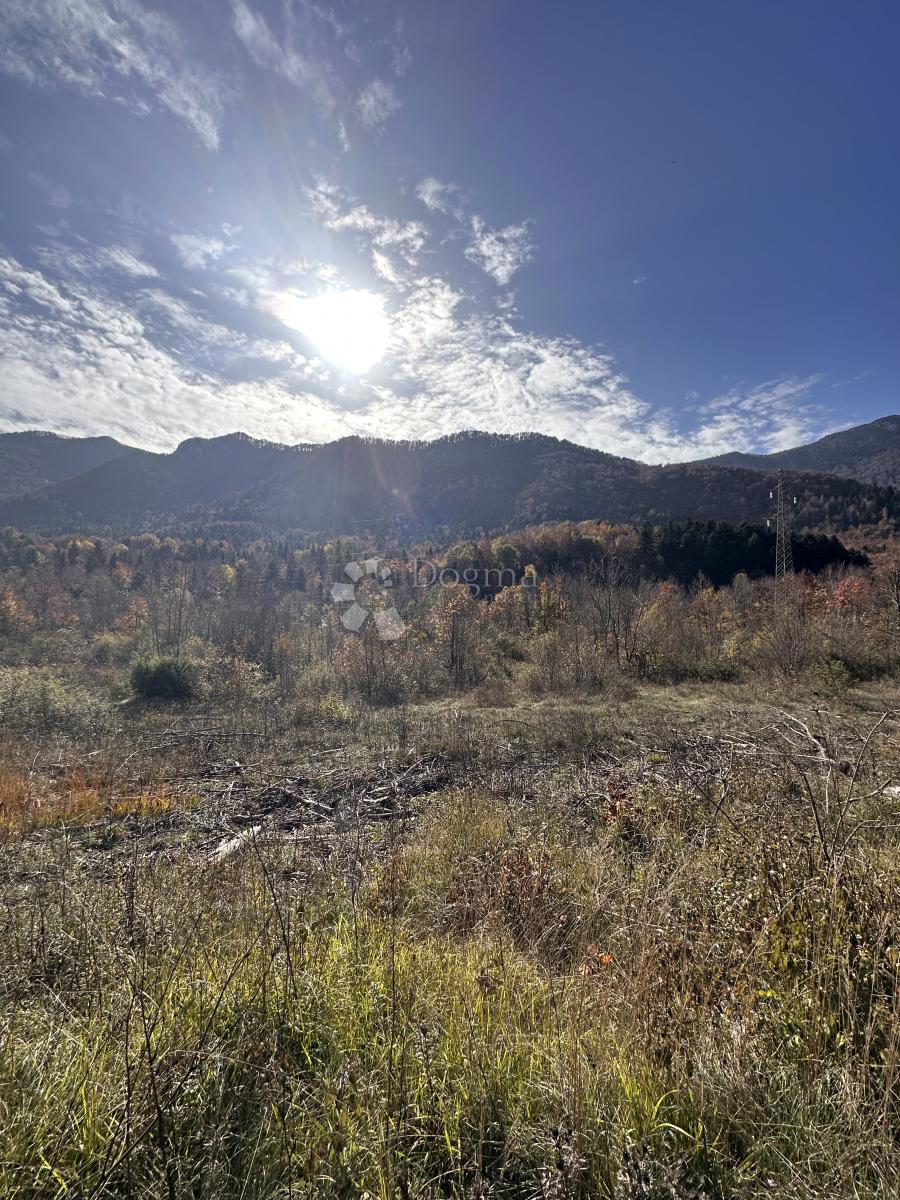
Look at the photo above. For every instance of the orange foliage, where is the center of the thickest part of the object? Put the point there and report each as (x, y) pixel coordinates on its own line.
(852, 594)
(135, 616)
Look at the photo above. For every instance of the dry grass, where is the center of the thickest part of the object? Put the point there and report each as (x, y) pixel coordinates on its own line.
(14, 799)
(29, 803)
(631, 966)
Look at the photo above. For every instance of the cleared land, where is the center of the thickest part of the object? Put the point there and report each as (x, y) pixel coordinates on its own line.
(643, 946)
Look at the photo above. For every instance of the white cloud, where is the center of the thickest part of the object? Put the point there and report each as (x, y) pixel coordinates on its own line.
(340, 213)
(377, 103)
(182, 316)
(770, 416)
(310, 74)
(440, 197)
(271, 274)
(219, 344)
(500, 252)
(386, 269)
(401, 58)
(474, 370)
(111, 49)
(197, 251)
(129, 264)
(76, 359)
(312, 54)
(406, 237)
(88, 260)
(455, 367)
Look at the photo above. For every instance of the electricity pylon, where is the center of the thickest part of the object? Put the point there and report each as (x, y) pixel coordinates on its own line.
(784, 554)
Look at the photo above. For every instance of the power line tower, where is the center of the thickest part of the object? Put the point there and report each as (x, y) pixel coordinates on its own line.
(784, 554)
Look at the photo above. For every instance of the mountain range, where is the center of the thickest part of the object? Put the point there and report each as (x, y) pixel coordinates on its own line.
(868, 452)
(462, 484)
(34, 460)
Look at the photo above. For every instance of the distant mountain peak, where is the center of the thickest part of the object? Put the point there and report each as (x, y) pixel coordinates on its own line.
(31, 459)
(193, 444)
(869, 452)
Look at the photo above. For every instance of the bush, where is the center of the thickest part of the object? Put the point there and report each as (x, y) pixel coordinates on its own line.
(164, 679)
(833, 677)
(230, 679)
(326, 710)
(34, 700)
(110, 649)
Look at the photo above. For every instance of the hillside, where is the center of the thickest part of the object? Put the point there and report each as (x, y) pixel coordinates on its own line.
(139, 486)
(475, 481)
(33, 460)
(868, 452)
(461, 484)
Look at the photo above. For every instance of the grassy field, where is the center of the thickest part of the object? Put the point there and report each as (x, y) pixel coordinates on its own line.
(636, 947)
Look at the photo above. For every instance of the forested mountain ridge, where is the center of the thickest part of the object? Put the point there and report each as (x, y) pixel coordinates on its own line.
(138, 485)
(461, 484)
(474, 481)
(33, 460)
(867, 452)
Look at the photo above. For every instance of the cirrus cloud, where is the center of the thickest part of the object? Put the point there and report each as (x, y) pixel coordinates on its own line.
(112, 49)
(376, 103)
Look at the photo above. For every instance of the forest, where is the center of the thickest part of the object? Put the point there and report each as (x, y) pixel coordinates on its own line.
(557, 606)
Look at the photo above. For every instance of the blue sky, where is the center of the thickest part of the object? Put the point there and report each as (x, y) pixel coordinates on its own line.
(665, 230)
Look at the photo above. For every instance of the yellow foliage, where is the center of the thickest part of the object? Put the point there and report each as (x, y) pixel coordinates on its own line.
(14, 617)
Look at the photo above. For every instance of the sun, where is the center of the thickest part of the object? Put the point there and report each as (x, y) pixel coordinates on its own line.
(349, 327)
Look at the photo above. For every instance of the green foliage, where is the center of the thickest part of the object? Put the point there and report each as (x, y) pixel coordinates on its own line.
(164, 679)
(718, 551)
(329, 710)
(111, 649)
(227, 678)
(834, 677)
(36, 700)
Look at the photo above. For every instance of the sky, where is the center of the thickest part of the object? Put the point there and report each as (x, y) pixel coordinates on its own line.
(663, 230)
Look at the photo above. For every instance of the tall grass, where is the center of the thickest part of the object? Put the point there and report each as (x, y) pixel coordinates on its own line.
(498, 1001)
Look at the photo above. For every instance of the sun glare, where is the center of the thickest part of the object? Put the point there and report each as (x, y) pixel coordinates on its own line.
(348, 327)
